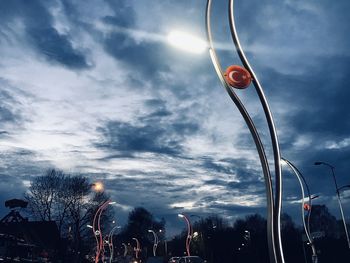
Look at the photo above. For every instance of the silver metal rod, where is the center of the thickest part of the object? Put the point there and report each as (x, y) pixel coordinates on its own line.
(341, 208)
(255, 135)
(301, 180)
(273, 135)
(339, 200)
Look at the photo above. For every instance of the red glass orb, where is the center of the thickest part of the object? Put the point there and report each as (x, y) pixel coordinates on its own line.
(307, 207)
(238, 77)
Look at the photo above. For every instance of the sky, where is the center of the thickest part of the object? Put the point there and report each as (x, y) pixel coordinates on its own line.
(92, 87)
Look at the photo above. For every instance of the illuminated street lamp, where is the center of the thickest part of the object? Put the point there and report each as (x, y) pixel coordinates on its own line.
(240, 78)
(189, 233)
(338, 196)
(186, 42)
(155, 242)
(304, 206)
(98, 186)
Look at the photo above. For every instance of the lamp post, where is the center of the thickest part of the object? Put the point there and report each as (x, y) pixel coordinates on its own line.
(302, 181)
(110, 242)
(273, 202)
(155, 242)
(137, 249)
(98, 232)
(125, 249)
(189, 233)
(338, 196)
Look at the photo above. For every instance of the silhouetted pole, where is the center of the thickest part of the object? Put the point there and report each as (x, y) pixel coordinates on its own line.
(339, 201)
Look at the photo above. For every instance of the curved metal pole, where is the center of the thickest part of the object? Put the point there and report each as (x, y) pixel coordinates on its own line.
(273, 134)
(339, 202)
(97, 215)
(101, 249)
(255, 135)
(155, 242)
(301, 180)
(110, 242)
(137, 250)
(189, 233)
(125, 249)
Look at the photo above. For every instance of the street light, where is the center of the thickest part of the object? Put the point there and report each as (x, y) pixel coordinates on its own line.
(189, 233)
(125, 249)
(98, 186)
(338, 196)
(110, 242)
(98, 232)
(137, 249)
(302, 181)
(155, 244)
(273, 202)
(186, 42)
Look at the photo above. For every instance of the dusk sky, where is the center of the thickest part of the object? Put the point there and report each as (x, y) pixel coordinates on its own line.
(93, 87)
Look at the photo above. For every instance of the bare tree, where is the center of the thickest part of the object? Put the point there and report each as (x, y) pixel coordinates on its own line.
(68, 200)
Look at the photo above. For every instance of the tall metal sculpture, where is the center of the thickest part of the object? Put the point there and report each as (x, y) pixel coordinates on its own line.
(189, 233)
(137, 249)
(240, 77)
(155, 241)
(110, 243)
(304, 206)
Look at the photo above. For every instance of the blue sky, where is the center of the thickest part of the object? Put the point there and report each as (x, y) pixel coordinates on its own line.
(92, 87)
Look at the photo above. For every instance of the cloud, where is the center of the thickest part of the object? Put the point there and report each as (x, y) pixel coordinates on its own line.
(37, 24)
(93, 89)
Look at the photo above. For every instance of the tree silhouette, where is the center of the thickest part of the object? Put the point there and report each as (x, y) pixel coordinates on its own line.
(139, 222)
(69, 201)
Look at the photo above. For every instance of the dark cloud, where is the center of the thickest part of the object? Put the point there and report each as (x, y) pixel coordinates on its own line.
(155, 132)
(10, 112)
(41, 33)
(56, 47)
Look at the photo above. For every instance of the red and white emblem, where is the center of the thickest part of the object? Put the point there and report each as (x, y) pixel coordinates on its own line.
(238, 77)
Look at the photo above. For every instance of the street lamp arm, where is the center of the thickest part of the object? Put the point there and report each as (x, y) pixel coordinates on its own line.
(251, 126)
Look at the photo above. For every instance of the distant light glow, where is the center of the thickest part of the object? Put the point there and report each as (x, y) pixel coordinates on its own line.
(180, 215)
(186, 42)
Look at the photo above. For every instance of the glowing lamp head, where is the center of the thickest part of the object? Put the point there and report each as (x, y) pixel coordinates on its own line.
(181, 215)
(98, 187)
(237, 77)
(186, 42)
